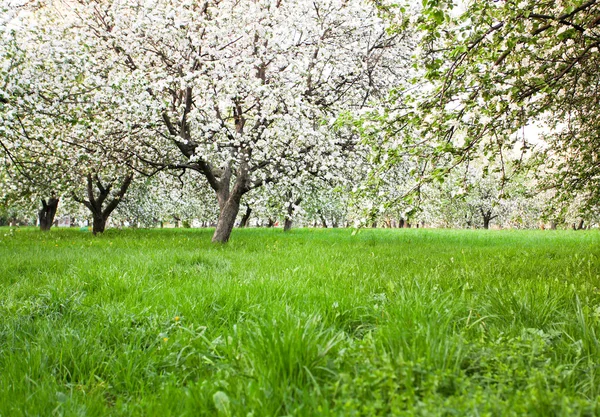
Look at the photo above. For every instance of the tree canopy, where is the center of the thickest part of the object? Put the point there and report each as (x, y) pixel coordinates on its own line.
(502, 78)
(331, 112)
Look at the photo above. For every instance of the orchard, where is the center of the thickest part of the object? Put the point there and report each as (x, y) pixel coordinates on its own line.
(275, 207)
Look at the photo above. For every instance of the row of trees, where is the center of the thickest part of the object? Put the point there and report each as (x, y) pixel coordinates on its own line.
(467, 199)
(241, 93)
(331, 112)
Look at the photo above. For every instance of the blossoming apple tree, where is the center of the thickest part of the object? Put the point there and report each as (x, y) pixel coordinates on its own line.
(242, 92)
(59, 127)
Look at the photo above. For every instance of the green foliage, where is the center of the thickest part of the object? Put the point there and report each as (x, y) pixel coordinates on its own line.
(386, 322)
(490, 71)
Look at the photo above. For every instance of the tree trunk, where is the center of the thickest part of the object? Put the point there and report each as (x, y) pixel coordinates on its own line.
(486, 222)
(227, 216)
(487, 218)
(96, 201)
(99, 224)
(323, 222)
(246, 217)
(580, 225)
(47, 213)
(287, 224)
(401, 223)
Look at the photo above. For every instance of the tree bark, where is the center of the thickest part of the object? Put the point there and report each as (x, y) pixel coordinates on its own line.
(47, 213)
(287, 225)
(229, 204)
(99, 224)
(246, 217)
(486, 222)
(227, 216)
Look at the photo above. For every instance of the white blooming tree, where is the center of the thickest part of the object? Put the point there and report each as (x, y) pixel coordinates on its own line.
(306, 199)
(241, 92)
(168, 197)
(65, 131)
(22, 174)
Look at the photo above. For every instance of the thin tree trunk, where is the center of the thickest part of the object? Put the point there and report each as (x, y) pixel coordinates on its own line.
(323, 222)
(287, 224)
(246, 217)
(487, 218)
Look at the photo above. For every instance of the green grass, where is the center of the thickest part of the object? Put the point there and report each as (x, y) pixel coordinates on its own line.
(315, 322)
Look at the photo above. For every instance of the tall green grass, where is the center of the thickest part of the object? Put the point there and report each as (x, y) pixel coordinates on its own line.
(315, 322)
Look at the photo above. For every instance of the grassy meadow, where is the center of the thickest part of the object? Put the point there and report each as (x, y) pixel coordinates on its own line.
(310, 323)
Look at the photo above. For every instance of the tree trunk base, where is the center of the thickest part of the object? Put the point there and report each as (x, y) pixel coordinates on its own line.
(287, 225)
(47, 213)
(99, 225)
(226, 220)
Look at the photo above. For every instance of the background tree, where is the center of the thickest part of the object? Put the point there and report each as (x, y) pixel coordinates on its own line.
(489, 72)
(61, 131)
(19, 173)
